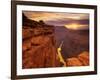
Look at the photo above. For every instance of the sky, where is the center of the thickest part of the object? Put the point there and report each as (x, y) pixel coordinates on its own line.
(68, 20)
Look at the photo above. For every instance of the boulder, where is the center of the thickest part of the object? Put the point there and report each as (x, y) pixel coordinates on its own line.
(84, 58)
(73, 62)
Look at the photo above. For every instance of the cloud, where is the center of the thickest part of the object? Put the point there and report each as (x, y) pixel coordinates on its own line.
(76, 26)
(69, 20)
(46, 16)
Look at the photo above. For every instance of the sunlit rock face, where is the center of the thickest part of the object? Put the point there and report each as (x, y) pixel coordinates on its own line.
(80, 60)
(84, 58)
(73, 62)
(39, 45)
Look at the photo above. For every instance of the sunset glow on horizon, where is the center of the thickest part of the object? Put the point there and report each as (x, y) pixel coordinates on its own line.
(75, 26)
(69, 20)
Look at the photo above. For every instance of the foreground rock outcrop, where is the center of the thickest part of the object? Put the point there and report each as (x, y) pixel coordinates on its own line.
(80, 60)
(39, 46)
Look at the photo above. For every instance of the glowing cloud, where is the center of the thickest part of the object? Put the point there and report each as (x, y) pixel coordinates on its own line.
(69, 20)
(46, 16)
(76, 26)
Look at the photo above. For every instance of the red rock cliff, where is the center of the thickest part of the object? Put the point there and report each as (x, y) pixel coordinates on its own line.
(39, 48)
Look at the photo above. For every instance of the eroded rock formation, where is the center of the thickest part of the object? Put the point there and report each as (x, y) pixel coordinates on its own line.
(39, 46)
(80, 60)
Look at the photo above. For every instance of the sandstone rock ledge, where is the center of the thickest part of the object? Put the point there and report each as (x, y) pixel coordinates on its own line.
(38, 45)
(81, 60)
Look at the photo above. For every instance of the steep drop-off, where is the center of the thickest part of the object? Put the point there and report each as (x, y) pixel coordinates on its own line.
(39, 46)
